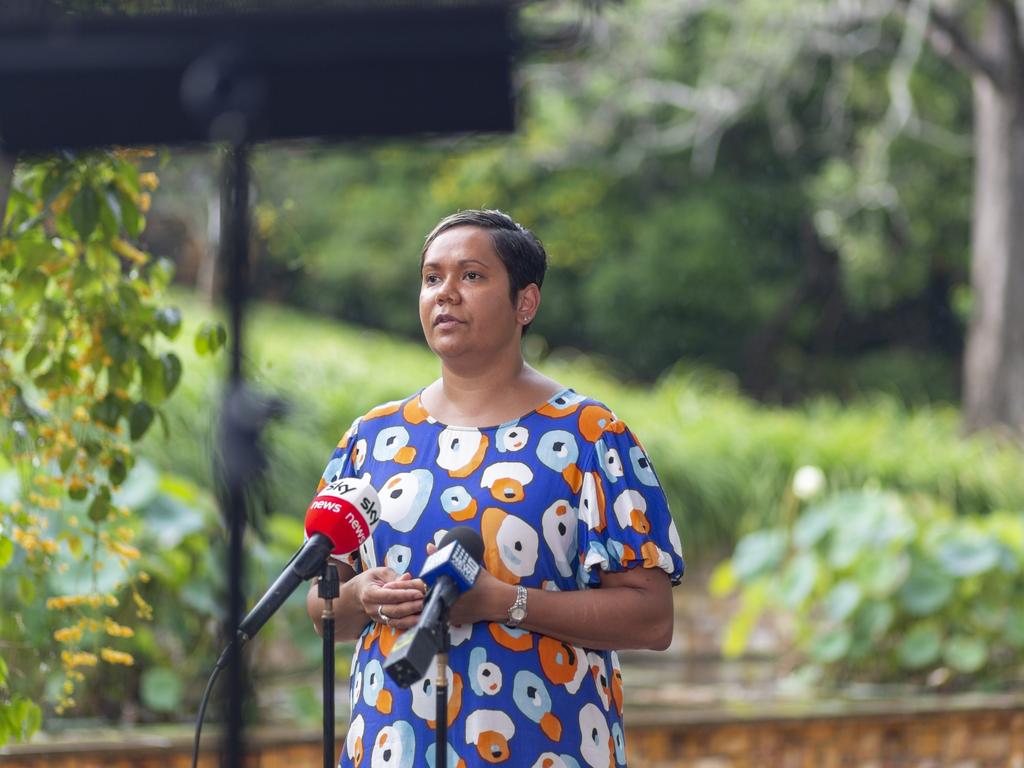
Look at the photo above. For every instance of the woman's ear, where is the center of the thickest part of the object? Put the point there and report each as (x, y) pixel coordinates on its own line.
(527, 303)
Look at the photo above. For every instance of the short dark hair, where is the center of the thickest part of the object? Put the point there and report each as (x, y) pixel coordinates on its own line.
(519, 249)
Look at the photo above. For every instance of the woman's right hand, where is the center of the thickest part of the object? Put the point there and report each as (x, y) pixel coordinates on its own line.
(388, 598)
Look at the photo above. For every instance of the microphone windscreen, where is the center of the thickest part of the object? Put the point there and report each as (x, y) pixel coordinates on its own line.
(468, 539)
(345, 511)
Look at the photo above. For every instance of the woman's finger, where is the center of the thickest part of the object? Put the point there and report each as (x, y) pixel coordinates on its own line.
(418, 585)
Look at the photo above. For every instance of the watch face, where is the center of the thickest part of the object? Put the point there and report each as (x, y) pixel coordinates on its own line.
(517, 614)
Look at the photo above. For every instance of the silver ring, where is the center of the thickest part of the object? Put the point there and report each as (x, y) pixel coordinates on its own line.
(384, 619)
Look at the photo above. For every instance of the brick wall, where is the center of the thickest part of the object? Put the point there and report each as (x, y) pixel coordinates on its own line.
(958, 732)
(903, 736)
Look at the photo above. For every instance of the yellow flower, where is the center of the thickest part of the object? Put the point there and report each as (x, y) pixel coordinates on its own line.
(78, 659)
(142, 609)
(68, 635)
(129, 251)
(125, 550)
(117, 630)
(149, 180)
(50, 547)
(111, 656)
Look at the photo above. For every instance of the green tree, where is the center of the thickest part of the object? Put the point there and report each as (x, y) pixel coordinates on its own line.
(883, 101)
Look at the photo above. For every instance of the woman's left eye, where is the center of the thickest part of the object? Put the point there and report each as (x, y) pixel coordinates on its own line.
(473, 275)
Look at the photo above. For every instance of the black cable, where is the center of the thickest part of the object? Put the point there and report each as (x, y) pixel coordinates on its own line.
(205, 700)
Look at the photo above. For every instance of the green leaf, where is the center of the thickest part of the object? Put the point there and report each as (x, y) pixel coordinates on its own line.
(33, 719)
(758, 553)
(920, 646)
(210, 337)
(140, 419)
(842, 600)
(965, 654)
(6, 551)
(100, 507)
(926, 589)
(168, 321)
(117, 472)
(873, 619)
(78, 492)
(152, 369)
(799, 579)
(968, 553)
(3, 671)
(832, 645)
(881, 573)
(106, 411)
(161, 689)
(131, 216)
(172, 371)
(85, 211)
(29, 289)
(67, 458)
(110, 215)
(36, 355)
(813, 526)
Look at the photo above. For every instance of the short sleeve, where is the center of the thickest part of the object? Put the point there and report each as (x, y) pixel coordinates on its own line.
(344, 463)
(624, 517)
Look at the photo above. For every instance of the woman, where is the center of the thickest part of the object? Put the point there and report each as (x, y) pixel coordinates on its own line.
(580, 549)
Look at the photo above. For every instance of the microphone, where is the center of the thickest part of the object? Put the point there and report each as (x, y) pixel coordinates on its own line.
(339, 519)
(449, 572)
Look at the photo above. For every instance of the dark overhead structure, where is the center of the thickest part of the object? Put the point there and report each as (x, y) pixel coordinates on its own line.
(82, 74)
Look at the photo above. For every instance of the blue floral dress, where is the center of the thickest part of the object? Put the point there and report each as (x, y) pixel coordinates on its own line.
(558, 496)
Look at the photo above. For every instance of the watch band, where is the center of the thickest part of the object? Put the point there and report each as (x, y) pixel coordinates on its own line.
(517, 611)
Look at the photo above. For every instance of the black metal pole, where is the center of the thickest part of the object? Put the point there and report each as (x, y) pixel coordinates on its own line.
(441, 700)
(328, 589)
(235, 254)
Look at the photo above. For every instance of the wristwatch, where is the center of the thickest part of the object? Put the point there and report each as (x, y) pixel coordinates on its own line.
(517, 612)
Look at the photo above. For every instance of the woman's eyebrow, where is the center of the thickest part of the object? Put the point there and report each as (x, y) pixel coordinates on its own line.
(461, 263)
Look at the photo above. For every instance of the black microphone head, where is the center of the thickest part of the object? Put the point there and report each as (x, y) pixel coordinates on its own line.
(468, 539)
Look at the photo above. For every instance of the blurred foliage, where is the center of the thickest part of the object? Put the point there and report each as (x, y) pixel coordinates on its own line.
(875, 586)
(708, 189)
(83, 375)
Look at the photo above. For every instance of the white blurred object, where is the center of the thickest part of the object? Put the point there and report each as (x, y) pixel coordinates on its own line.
(808, 482)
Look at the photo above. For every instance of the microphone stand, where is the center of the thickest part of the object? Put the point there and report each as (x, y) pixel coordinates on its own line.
(328, 589)
(441, 697)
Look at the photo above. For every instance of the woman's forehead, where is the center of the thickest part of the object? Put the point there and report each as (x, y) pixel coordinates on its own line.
(461, 244)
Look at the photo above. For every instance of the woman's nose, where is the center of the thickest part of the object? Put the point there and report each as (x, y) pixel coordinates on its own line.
(448, 293)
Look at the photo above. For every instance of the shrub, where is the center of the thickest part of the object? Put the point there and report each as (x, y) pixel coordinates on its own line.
(877, 586)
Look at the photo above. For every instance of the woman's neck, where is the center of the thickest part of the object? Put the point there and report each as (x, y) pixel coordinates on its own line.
(487, 398)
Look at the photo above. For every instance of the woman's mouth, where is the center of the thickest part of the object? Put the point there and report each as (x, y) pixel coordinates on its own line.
(446, 321)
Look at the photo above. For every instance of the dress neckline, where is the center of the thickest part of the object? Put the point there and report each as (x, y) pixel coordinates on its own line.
(550, 401)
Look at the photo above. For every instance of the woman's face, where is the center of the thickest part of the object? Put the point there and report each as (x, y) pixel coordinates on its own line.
(465, 306)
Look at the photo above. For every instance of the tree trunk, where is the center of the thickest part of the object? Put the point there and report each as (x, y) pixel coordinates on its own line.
(994, 355)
